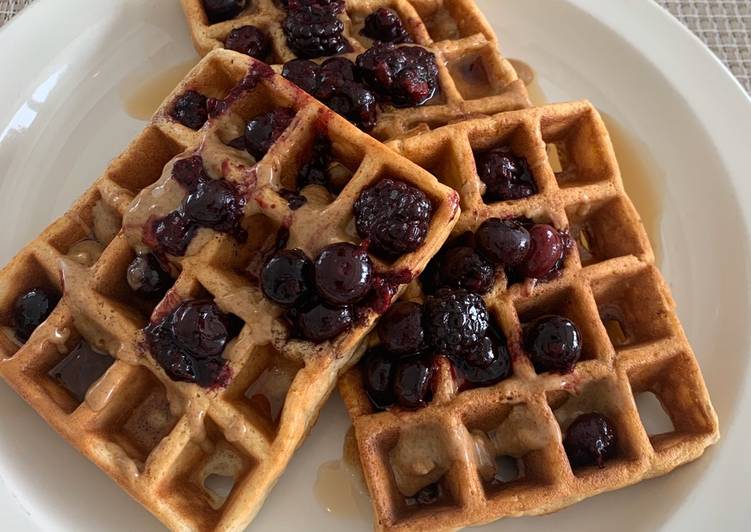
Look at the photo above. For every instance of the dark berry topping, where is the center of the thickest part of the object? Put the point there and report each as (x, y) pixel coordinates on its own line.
(553, 343)
(221, 10)
(463, 267)
(216, 204)
(200, 328)
(264, 130)
(400, 329)
(287, 278)
(147, 277)
(80, 369)
(456, 320)
(507, 176)
(315, 170)
(249, 40)
(545, 253)
(322, 322)
(412, 382)
(303, 73)
(188, 343)
(336, 83)
(406, 76)
(190, 110)
(385, 25)
(344, 273)
(394, 217)
(171, 234)
(294, 200)
(488, 363)
(429, 495)
(334, 6)
(378, 374)
(31, 309)
(189, 172)
(590, 440)
(314, 31)
(505, 242)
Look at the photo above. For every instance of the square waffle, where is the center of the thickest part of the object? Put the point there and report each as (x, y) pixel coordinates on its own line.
(474, 78)
(497, 451)
(177, 447)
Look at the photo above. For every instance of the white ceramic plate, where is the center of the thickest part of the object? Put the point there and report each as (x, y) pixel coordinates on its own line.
(683, 126)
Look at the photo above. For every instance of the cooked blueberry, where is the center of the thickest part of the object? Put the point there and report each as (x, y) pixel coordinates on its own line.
(287, 277)
(339, 88)
(486, 364)
(384, 25)
(344, 273)
(553, 343)
(31, 309)
(200, 328)
(190, 110)
(378, 376)
(303, 73)
(412, 382)
(506, 175)
(394, 217)
(188, 343)
(462, 267)
(429, 495)
(401, 330)
(172, 234)
(405, 76)
(505, 242)
(456, 320)
(314, 171)
(264, 130)
(249, 40)
(221, 10)
(314, 31)
(215, 204)
(322, 322)
(147, 277)
(545, 253)
(590, 440)
(189, 172)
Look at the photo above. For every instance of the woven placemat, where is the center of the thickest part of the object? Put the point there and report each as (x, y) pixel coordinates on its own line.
(723, 24)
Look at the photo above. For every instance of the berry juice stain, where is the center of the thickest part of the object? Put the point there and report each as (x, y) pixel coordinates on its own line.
(142, 96)
(643, 177)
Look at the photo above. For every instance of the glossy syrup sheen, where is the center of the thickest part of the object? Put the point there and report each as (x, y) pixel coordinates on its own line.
(142, 97)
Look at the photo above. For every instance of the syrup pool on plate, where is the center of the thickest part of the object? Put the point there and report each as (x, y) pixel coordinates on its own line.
(642, 176)
(143, 96)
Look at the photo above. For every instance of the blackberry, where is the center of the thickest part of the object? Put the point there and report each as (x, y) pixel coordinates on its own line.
(249, 40)
(189, 172)
(455, 320)
(385, 25)
(405, 76)
(31, 309)
(394, 216)
(506, 175)
(463, 267)
(314, 31)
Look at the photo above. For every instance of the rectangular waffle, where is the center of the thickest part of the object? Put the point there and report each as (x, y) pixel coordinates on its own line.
(639, 347)
(475, 78)
(160, 440)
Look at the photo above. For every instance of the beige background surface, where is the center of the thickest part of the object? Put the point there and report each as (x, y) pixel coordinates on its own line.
(724, 25)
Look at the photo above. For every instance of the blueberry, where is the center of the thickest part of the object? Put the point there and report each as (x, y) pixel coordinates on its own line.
(590, 440)
(221, 10)
(200, 328)
(545, 254)
(553, 343)
(146, 276)
(412, 381)
(264, 130)
(505, 242)
(190, 110)
(287, 278)
(322, 322)
(401, 330)
(31, 309)
(378, 376)
(344, 273)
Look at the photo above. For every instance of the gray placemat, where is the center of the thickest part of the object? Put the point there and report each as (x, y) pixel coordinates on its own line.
(725, 26)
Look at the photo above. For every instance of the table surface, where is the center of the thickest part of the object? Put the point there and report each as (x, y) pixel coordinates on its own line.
(724, 25)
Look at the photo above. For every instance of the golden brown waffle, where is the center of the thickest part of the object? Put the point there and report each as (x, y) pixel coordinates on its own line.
(163, 441)
(632, 343)
(475, 79)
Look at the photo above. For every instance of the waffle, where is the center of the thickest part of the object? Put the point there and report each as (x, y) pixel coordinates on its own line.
(174, 446)
(475, 79)
(609, 285)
